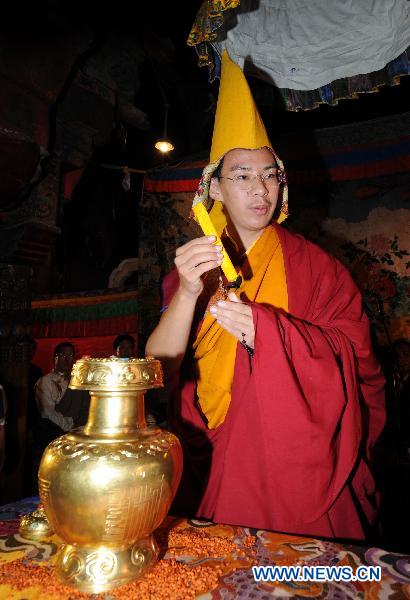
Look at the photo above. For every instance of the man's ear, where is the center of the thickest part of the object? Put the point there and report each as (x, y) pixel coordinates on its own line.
(215, 190)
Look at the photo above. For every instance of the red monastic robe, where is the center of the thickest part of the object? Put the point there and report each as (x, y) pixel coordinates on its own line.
(293, 452)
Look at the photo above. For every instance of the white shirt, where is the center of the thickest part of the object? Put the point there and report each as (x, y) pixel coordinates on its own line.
(49, 390)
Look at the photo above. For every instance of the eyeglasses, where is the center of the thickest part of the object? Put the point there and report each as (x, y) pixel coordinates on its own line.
(245, 181)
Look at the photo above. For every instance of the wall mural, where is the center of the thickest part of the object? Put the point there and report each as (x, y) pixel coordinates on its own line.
(367, 229)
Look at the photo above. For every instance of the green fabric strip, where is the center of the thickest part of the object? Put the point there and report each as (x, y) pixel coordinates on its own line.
(90, 312)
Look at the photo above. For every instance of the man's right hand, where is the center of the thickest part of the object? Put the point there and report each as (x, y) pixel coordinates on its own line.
(193, 260)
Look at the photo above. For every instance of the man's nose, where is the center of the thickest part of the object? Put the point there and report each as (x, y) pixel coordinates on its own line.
(259, 186)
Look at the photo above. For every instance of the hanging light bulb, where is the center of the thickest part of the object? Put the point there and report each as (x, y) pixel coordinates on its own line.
(164, 145)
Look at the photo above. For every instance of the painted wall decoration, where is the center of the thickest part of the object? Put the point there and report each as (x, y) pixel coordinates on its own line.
(164, 225)
(366, 225)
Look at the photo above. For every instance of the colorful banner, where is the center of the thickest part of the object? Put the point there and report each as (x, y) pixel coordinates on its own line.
(85, 315)
(359, 161)
(90, 321)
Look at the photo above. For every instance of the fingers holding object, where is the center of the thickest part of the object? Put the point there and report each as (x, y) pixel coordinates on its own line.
(236, 329)
(196, 272)
(235, 317)
(198, 259)
(241, 322)
(190, 246)
(198, 254)
(233, 309)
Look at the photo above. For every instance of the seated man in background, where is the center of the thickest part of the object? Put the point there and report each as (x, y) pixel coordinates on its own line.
(124, 346)
(59, 408)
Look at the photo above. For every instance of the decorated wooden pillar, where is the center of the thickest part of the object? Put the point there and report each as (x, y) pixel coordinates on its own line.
(14, 368)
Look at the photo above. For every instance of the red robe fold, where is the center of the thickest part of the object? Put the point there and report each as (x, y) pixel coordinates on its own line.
(292, 454)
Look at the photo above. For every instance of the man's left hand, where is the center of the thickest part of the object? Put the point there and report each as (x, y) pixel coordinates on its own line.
(235, 317)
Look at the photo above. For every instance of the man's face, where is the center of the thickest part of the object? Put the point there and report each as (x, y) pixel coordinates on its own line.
(249, 201)
(125, 349)
(64, 360)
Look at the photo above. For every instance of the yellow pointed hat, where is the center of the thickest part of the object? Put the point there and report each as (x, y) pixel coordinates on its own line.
(237, 125)
(237, 121)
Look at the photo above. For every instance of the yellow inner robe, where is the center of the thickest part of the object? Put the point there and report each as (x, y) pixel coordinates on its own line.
(215, 348)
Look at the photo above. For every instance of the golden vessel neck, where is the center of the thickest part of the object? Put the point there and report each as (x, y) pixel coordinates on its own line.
(115, 412)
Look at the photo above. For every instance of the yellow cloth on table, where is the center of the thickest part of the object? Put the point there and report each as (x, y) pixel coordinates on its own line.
(215, 348)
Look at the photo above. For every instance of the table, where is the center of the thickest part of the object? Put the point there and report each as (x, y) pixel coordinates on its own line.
(202, 560)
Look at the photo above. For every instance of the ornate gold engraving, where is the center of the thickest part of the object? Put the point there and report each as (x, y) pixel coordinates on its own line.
(114, 373)
(94, 570)
(68, 447)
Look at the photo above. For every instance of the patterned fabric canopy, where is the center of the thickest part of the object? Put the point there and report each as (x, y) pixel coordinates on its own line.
(315, 52)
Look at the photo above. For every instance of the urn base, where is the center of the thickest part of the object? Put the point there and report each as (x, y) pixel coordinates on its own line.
(97, 569)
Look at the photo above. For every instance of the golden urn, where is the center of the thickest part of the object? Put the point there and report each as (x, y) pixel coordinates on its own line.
(106, 487)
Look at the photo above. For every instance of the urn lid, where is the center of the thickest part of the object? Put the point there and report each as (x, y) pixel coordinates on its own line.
(35, 525)
(115, 374)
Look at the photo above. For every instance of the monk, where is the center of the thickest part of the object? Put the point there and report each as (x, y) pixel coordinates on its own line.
(278, 399)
